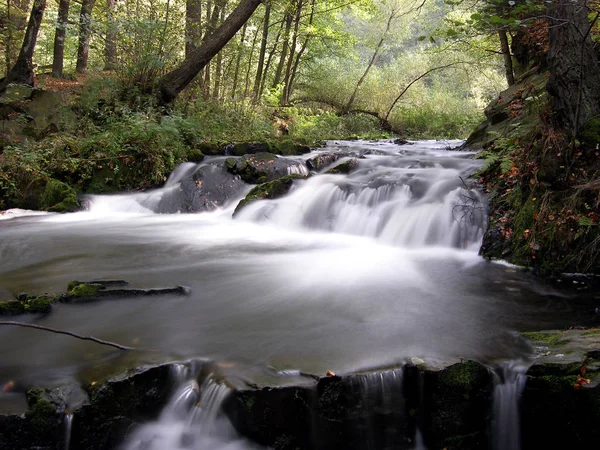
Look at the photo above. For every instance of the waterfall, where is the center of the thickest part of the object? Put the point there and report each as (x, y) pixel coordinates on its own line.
(509, 381)
(380, 421)
(192, 419)
(68, 421)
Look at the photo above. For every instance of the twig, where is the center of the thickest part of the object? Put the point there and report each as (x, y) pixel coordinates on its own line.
(68, 333)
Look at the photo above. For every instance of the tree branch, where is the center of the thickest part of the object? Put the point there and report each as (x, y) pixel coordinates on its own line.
(68, 333)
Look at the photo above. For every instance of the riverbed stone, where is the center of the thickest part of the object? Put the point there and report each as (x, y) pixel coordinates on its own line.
(262, 167)
(268, 191)
(344, 168)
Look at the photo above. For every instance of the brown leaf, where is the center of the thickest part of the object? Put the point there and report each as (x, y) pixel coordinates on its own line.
(330, 373)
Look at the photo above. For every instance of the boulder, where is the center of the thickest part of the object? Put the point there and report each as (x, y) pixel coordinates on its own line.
(344, 168)
(263, 167)
(271, 190)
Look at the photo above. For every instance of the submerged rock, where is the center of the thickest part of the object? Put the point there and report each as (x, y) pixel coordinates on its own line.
(344, 168)
(210, 186)
(322, 160)
(263, 167)
(271, 190)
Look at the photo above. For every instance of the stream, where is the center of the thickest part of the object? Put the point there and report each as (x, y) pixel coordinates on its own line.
(345, 273)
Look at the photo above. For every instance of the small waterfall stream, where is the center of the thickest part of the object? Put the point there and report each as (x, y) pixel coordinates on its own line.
(191, 420)
(509, 381)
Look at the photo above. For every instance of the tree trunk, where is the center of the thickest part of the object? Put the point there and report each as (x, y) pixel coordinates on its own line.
(574, 81)
(250, 57)
(175, 81)
(219, 66)
(238, 62)
(505, 49)
(301, 52)
(371, 62)
(193, 25)
(261, 56)
(85, 19)
(270, 59)
(290, 61)
(110, 48)
(16, 21)
(22, 71)
(289, 18)
(59, 38)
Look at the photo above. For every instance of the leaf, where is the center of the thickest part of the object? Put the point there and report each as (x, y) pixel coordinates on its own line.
(586, 222)
(476, 16)
(422, 38)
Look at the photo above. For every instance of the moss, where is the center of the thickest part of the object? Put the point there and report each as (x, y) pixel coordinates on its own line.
(590, 133)
(42, 304)
(462, 374)
(271, 190)
(58, 197)
(550, 338)
(84, 289)
(344, 168)
(41, 414)
(11, 307)
(591, 333)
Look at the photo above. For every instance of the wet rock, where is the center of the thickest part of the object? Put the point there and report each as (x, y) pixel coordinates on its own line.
(450, 405)
(58, 197)
(402, 141)
(322, 160)
(456, 406)
(561, 400)
(118, 405)
(344, 168)
(287, 148)
(209, 187)
(271, 190)
(79, 292)
(262, 167)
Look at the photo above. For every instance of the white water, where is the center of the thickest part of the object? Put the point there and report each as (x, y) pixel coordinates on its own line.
(68, 421)
(192, 419)
(509, 384)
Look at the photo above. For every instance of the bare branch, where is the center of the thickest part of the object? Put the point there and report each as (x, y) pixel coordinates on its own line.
(69, 333)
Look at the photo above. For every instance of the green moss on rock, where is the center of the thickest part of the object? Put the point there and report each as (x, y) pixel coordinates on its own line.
(271, 190)
(58, 197)
(344, 168)
(11, 307)
(84, 289)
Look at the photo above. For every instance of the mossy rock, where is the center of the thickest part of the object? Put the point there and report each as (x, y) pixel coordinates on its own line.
(590, 134)
(344, 168)
(28, 304)
(77, 289)
(58, 197)
(271, 190)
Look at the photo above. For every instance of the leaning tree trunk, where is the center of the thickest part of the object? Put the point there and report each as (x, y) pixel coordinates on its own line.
(574, 81)
(175, 81)
(59, 38)
(22, 71)
(85, 19)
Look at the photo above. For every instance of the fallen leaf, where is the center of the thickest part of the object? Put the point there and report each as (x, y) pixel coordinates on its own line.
(330, 373)
(8, 386)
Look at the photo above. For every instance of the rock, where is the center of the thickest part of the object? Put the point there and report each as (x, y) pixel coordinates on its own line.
(263, 167)
(450, 405)
(322, 160)
(118, 405)
(271, 190)
(285, 147)
(209, 187)
(344, 168)
(402, 141)
(561, 400)
(58, 197)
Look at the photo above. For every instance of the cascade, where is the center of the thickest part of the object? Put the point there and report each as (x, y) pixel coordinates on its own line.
(192, 419)
(509, 382)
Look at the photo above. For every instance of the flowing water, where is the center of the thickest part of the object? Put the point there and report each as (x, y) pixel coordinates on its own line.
(509, 384)
(191, 419)
(344, 273)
